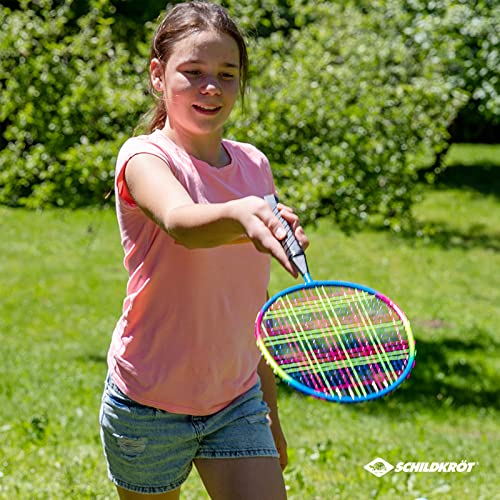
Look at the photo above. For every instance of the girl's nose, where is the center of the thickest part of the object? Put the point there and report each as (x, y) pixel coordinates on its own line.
(210, 86)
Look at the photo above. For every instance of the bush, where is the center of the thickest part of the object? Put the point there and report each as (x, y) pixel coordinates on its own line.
(69, 97)
(347, 108)
(465, 36)
(347, 97)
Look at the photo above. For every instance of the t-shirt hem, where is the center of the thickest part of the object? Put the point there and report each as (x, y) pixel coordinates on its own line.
(181, 409)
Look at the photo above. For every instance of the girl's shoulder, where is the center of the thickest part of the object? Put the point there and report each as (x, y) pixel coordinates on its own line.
(145, 141)
(154, 143)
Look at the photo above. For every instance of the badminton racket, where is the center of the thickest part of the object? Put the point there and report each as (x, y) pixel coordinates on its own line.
(334, 340)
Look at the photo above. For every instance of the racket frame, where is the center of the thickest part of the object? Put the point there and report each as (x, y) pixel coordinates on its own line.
(310, 283)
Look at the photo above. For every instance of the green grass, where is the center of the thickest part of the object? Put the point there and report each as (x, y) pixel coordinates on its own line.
(62, 286)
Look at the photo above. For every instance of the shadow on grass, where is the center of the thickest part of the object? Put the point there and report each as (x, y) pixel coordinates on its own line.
(448, 373)
(483, 178)
(454, 372)
(95, 358)
(448, 237)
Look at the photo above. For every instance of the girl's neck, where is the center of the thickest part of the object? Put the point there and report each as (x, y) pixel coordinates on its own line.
(205, 148)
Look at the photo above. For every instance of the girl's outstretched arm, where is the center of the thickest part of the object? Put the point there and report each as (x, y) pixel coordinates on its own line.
(162, 197)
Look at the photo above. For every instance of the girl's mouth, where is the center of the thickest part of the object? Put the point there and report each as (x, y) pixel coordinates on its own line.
(207, 110)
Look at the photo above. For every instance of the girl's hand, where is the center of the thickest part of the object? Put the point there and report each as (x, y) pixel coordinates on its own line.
(292, 219)
(265, 230)
(280, 442)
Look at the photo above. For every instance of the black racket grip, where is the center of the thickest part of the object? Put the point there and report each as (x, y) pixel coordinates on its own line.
(293, 250)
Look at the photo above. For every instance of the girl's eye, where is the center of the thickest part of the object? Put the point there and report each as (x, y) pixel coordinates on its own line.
(196, 73)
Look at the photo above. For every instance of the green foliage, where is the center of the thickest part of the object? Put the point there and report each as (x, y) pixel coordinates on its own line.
(69, 97)
(346, 97)
(347, 109)
(464, 36)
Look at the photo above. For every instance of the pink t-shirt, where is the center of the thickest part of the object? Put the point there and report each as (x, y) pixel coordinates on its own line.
(185, 342)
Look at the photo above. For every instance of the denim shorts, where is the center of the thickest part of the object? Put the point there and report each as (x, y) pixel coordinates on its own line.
(152, 451)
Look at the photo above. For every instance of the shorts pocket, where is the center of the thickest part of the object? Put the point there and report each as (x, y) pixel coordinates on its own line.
(121, 403)
(260, 416)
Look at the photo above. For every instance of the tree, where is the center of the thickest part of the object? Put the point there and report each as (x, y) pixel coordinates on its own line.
(69, 97)
(346, 98)
(345, 107)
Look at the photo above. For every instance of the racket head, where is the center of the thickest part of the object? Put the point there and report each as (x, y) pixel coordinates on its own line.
(336, 340)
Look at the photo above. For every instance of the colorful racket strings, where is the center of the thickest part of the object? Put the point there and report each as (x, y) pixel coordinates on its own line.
(337, 341)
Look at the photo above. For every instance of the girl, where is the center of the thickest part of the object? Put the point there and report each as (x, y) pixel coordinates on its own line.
(186, 382)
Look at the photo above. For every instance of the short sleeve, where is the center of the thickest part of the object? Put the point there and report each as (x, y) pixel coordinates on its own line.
(131, 148)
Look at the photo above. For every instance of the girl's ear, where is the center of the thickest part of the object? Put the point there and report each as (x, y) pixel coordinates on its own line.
(156, 74)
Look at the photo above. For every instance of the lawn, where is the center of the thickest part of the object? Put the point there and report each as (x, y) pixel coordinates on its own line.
(62, 287)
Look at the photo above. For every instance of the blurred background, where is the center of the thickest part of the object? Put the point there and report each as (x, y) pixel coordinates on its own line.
(381, 120)
(348, 99)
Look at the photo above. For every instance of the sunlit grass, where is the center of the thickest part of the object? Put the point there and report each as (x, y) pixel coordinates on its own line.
(62, 287)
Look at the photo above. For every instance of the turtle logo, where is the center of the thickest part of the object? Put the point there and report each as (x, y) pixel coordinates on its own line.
(379, 467)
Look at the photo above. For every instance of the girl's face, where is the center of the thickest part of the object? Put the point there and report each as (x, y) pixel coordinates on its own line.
(200, 83)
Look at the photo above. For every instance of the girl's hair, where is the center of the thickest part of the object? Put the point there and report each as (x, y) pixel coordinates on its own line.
(183, 20)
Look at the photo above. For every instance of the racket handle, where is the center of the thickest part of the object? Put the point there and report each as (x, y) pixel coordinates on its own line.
(293, 250)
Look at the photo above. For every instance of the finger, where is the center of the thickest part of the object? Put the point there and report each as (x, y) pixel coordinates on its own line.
(271, 221)
(283, 458)
(267, 238)
(267, 243)
(301, 237)
(277, 251)
(282, 448)
(276, 227)
(289, 215)
(282, 206)
(293, 220)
